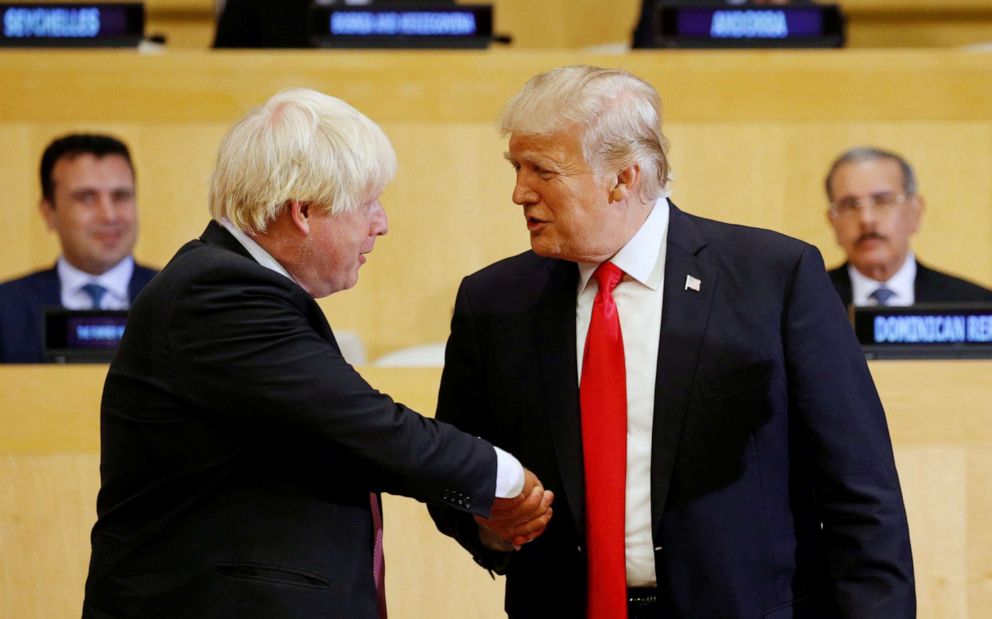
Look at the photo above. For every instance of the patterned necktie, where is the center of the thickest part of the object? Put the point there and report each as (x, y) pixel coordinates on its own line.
(378, 557)
(95, 293)
(882, 295)
(603, 396)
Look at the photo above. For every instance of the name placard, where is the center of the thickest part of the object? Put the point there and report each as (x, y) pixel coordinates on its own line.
(397, 25)
(925, 331)
(71, 25)
(83, 336)
(725, 26)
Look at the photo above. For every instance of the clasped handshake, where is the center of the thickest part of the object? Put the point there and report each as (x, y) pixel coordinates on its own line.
(514, 522)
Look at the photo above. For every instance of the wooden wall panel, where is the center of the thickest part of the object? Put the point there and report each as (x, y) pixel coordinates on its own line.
(752, 135)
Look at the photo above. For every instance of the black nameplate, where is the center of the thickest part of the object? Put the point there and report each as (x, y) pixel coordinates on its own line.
(926, 331)
(83, 336)
(402, 25)
(71, 25)
(736, 26)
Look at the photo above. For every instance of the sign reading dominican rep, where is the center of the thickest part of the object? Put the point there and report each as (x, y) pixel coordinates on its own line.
(925, 331)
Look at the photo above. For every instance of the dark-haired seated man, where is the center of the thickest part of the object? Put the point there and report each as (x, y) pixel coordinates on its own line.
(874, 210)
(88, 199)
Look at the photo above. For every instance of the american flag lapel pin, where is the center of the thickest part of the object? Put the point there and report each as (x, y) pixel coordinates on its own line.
(692, 283)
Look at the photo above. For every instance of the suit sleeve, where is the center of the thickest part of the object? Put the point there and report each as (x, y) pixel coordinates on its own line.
(251, 352)
(462, 402)
(842, 426)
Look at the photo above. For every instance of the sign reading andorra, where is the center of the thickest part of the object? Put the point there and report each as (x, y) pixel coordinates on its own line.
(749, 24)
(717, 25)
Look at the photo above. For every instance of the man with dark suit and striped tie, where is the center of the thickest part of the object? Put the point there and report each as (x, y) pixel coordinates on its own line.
(875, 210)
(88, 200)
(241, 456)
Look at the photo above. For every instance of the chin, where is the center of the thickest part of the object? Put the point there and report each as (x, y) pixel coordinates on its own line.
(546, 250)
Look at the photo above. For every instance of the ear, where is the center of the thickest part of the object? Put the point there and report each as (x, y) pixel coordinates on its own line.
(626, 181)
(47, 210)
(919, 207)
(299, 215)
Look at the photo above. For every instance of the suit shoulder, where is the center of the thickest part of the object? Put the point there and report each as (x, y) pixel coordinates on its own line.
(28, 284)
(740, 242)
(508, 271)
(198, 262)
(938, 286)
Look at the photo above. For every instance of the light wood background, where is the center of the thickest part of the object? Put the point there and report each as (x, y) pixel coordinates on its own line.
(752, 135)
(938, 415)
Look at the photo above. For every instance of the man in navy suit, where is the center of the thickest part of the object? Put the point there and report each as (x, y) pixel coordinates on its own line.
(88, 199)
(756, 472)
(874, 211)
(241, 456)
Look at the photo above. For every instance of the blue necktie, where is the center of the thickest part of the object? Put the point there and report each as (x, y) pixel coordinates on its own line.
(882, 295)
(95, 292)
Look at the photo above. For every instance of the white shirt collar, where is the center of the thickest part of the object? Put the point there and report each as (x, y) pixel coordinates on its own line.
(261, 256)
(902, 283)
(115, 281)
(639, 257)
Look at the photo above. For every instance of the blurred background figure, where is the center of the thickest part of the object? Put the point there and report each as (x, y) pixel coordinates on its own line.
(88, 200)
(875, 210)
(262, 23)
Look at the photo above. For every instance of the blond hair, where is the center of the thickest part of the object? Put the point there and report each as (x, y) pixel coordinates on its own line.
(300, 145)
(618, 113)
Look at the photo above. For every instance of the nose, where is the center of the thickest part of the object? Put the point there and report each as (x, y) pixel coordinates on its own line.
(522, 192)
(380, 223)
(866, 213)
(106, 208)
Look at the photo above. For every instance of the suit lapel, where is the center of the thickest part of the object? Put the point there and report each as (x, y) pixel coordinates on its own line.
(48, 290)
(559, 379)
(685, 313)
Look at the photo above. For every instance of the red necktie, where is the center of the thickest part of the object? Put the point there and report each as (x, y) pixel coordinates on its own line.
(378, 558)
(603, 396)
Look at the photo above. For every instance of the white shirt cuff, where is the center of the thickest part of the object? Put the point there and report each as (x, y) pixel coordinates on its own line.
(509, 475)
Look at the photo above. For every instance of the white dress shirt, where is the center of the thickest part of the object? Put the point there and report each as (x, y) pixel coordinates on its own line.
(638, 298)
(509, 473)
(115, 281)
(901, 283)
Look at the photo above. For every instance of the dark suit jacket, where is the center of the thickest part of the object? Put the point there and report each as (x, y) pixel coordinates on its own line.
(930, 286)
(22, 311)
(766, 425)
(238, 450)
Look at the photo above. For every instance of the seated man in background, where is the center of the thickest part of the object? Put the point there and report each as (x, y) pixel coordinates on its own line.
(874, 210)
(88, 199)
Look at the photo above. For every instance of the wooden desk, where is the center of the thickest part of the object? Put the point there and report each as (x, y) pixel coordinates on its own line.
(938, 414)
